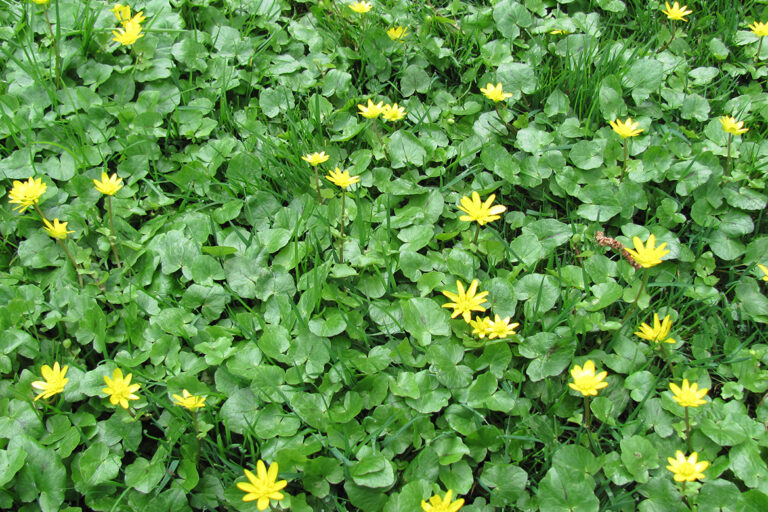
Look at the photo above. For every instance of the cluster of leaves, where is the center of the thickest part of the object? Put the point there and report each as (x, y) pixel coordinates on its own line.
(351, 375)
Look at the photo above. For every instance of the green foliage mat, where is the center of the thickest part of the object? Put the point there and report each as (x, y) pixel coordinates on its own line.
(312, 320)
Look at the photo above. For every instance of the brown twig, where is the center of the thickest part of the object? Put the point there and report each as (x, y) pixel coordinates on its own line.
(603, 240)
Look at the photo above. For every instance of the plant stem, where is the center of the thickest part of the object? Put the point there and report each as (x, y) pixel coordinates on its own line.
(498, 113)
(674, 32)
(688, 430)
(759, 47)
(71, 259)
(317, 185)
(197, 436)
(341, 237)
(112, 230)
(624, 167)
(477, 232)
(639, 293)
(376, 131)
(666, 358)
(587, 416)
(728, 156)
(55, 48)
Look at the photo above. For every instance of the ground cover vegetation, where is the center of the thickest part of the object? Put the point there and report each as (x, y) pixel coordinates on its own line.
(389, 255)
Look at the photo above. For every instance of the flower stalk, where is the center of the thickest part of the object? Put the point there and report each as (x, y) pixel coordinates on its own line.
(341, 235)
(55, 45)
(112, 237)
(63, 246)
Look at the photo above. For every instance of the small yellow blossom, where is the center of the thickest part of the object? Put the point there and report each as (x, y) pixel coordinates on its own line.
(41, 2)
(730, 125)
(315, 159)
(372, 110)
(558, 32)
(765, 271)
(495, 92)
(659, 332)
(392, 112)
(464, 303)
(263, 486)
(675, 12)
(120, 389)
(759, 29)
(128, 34)
(27, 193)
(341, 179)
(397, 33)
(501, 328)
(626, 128)
(361, 7)
(54, 381)
(687, 469)
(647, 255)
(57, 229)
(188, 400)
(109, 185)
(480, 326)
(585, 381)
(438, 504)
(478, 211)
(689, 395)
(121, 12)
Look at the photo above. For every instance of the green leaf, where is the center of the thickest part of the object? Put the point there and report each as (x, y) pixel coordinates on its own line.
(404, 148)
(558, 493)
(424, 318)
(96, 465)
(373, 471)
(639, 455)
(587, 154)
(144, 475)
(11, 461)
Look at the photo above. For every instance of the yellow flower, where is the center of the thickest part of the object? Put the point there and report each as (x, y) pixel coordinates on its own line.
(120, 389)
(371, 111)
(438, 504)
(495, 92)
(41, 2)
(687, 469)
(659, 332)
(558, 32)
(137, 18)
(626, 128)
(466, 302)
(690, 395)
(54, 381)
(341, 179)
(480, 212)
(675, 12)
(315, 159)
(480, 326)
(765, 271)
(57, 229)
(121, 12)
(27, 193)
(263, 486)
(501, 328)
(361, 7)
(585, 381)
(188, 400)
(128, 34)
(730, 125)
(397, 33)
(109, 185)
(759, 29)
(648, 255)
(392, 112)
